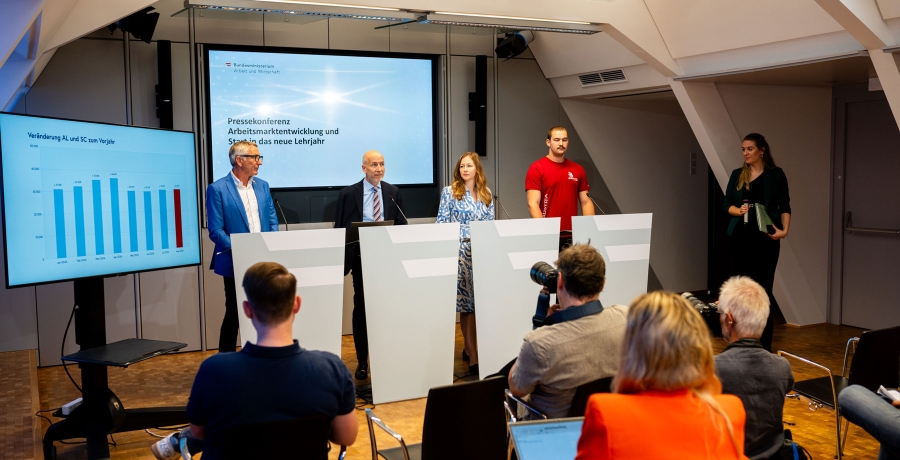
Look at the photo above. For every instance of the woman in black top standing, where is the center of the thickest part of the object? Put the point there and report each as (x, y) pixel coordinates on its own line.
(753, 252)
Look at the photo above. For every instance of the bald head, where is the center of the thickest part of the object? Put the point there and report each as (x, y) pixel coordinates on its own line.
(373, 166)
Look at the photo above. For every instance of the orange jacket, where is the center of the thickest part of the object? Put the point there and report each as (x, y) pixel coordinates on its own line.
(660, 425)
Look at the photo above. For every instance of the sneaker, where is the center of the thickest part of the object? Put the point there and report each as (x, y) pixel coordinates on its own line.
(166, 448)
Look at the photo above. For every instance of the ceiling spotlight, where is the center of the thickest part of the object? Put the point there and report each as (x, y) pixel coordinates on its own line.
(514, 44)
(141, 24)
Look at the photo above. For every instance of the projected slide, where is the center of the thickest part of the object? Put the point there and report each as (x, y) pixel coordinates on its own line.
(85, 199)
(314, 116)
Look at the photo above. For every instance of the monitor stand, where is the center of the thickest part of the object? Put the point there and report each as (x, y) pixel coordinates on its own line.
(101, 412)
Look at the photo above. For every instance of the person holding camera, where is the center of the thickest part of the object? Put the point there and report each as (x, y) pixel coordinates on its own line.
(580, 340)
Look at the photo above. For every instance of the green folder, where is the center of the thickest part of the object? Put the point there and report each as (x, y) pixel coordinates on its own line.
(762, 218)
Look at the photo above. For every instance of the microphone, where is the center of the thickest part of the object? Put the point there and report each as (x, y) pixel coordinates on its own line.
(747, 214)
(501, 206)
(277, 203)
(595, 203)
(401, 211)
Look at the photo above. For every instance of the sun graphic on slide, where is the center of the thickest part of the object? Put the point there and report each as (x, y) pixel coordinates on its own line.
(331, 97)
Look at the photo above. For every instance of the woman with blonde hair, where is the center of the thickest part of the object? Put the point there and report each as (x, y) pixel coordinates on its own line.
(667, 401)
(467, 199)
(758, 189)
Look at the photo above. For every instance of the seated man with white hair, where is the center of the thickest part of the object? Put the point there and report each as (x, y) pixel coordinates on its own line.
(748, 371)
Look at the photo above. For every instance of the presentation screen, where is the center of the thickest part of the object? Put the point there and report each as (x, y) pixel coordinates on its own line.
(88, 199)
(315, 115)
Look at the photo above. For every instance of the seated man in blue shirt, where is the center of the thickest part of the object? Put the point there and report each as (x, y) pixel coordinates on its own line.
(269, 381)
(748, 371)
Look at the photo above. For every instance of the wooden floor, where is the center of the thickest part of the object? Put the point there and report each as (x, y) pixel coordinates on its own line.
(167, 380)
(19, 401)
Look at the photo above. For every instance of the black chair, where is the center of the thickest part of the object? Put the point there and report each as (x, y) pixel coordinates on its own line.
(579, 401)
(584, 392)
(300, 438)
(876, 362)
(464, 421)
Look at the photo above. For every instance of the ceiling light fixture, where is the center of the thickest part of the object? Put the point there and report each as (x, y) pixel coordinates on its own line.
(509, 23)
(339, 5)
(303, 8)
(514, 18)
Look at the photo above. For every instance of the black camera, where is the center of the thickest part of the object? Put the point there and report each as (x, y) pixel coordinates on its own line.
(544, 274)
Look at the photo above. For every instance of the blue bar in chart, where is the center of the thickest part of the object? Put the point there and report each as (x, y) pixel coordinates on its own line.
(163, 220)
(148, 220)
(60, 212)
(116, 223)
(98, 217)
(80, 250)
(132, 220)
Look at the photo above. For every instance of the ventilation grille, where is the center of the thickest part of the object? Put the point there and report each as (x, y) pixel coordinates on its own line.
(604, 77)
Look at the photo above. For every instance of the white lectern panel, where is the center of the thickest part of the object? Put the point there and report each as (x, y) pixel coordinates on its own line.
(624, 242)
(316, 258)
(409, 277)
(503, 252)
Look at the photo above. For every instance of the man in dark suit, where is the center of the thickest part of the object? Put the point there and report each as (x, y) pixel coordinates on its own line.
(236, 203)
(369, 200)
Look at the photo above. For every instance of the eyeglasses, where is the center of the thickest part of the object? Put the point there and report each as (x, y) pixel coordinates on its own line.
(256, 158)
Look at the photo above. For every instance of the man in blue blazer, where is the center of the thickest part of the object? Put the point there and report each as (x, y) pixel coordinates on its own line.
(368, 200)
(236, 203)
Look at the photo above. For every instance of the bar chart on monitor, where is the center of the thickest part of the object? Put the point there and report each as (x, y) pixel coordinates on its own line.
(125, 205)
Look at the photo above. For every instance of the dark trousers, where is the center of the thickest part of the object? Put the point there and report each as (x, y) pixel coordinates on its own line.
(229, 332)
(755, 255)
(505, 371)
(360, 333)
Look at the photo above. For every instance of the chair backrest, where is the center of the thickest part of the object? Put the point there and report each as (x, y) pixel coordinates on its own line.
(305, 438)
(465, 421)
(877, 359)
(583, 392)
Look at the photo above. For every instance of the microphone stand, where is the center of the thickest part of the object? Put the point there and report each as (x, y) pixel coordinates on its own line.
(278, 203)
(401, 211)
(501, 206)
(595, 203)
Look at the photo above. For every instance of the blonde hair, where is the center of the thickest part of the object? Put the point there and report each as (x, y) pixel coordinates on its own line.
(667, 348)
(459, 185)
(768, 162)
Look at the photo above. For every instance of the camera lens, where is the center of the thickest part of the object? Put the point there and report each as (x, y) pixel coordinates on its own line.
(544, 274)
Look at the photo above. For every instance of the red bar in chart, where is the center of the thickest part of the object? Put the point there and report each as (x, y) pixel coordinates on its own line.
(178, 241)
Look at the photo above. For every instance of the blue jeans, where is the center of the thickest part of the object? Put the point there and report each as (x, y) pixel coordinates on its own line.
(875, 415)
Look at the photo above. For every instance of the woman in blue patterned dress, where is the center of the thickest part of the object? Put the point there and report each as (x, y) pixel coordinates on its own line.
(467, 200)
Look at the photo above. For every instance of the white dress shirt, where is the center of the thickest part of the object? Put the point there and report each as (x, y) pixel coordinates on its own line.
(251, 206)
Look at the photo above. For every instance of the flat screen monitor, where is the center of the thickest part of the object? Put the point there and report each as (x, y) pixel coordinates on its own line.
(314, 113)
(87, 199)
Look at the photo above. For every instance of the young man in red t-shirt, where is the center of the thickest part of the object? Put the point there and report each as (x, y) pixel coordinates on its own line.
(555, 185)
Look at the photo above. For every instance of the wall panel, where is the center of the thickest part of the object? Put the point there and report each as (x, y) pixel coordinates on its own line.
(642, 148)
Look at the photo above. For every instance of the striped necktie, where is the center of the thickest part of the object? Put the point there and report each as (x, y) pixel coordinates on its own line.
(376, 207)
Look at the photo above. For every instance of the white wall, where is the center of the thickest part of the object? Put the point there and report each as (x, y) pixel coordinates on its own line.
(87, 81)
(642, 148)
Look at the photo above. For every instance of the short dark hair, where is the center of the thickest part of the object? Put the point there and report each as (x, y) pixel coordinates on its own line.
(583, 270)
(271, 290)
(556, 128)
